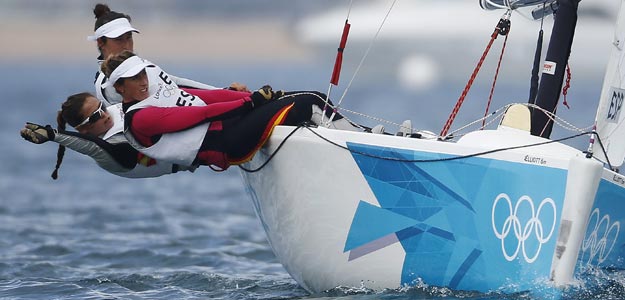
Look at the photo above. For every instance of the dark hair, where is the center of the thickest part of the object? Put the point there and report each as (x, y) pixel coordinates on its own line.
(69, 114)
(103, 14)
(113, 61)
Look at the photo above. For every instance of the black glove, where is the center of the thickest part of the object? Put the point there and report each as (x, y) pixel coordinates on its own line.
(269, 94)
(265, 95)
(36, 133)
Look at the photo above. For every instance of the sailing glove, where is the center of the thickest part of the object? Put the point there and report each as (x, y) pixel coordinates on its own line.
(269, 94)
(265, 95)
(36, 133)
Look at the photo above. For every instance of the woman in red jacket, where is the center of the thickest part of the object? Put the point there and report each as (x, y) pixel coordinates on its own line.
(179, 127)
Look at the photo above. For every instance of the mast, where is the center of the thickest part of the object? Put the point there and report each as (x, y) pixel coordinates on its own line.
(554, 66)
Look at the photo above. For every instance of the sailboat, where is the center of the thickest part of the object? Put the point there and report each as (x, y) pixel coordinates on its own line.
(491, 210)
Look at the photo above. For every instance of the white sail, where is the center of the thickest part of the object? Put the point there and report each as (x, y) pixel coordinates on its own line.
(610, 119)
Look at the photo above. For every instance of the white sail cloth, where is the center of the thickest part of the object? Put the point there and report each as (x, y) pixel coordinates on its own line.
(610, 119)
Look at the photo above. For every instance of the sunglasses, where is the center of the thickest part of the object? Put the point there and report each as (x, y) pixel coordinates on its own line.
(94, 117)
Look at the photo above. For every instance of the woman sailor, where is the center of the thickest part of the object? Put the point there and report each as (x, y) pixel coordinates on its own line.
(113, 34)
(175, 126)
(100, 136)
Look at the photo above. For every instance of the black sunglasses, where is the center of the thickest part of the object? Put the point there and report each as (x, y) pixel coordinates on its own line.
(95, 116)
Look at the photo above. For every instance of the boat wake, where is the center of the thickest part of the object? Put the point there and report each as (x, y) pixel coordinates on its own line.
(593, 283)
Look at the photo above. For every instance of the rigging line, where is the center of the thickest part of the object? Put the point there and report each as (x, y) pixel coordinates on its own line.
(307, 126)
(492, 89)
(448, 158)
(498, 114)
(499, 28)
(555, 109)
(557, 119)
(349, 10)
(325, 106)
(494, 116)
(273, 154)
(605, 152)
(364, 56)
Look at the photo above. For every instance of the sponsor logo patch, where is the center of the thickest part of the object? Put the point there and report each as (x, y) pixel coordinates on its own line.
(549, 67)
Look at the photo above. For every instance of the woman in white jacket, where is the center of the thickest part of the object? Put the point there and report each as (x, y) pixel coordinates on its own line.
(100, 136)
(114, 34)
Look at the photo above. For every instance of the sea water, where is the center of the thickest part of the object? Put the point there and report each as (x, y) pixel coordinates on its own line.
(92, 235)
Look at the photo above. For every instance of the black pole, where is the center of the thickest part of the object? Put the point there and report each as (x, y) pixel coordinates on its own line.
(535, 69)
(555, 64)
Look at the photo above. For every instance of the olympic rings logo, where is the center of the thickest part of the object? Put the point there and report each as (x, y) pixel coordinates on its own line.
(169, 91)
(596, 243)
(533, 227)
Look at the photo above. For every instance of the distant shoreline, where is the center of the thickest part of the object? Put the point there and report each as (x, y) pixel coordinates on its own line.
(187, 41)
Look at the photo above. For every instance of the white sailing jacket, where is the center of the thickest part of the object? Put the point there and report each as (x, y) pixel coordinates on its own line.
(110, 96)
(179, 147)
(113, 153)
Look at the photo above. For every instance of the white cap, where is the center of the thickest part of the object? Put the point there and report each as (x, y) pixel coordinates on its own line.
(113, 29)
(130, 67)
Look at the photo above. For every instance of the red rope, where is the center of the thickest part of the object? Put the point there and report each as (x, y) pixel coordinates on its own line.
(567, 85)
(565, 91)
(454, 112)
(492, 89)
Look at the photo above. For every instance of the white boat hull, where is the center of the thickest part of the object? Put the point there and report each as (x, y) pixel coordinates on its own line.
(488, 222)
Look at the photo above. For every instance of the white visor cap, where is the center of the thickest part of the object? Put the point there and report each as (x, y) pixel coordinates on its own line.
(113, 29)
(130, 67)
